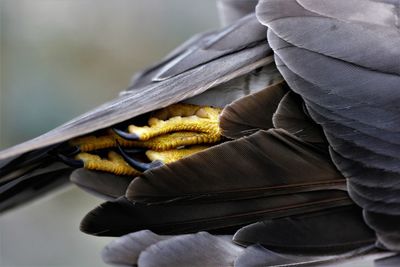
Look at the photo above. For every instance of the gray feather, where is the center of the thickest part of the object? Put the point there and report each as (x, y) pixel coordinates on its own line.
(125, 250)
(290, 115)
(201, 249)
(258, 256)
(242, 34)
(343, 58)
(226, 93)
(359, 42)
(390, 261)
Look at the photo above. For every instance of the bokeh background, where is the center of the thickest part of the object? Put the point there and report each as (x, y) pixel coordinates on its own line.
(60, 58)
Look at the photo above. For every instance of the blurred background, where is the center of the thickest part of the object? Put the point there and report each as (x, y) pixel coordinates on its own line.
(60, 58)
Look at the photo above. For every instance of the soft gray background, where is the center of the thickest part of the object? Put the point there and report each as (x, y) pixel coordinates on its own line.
(59, 58)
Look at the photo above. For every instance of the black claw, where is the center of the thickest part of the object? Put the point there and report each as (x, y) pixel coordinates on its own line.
(68, 151)
(125, 135)
(71, 162)
(135, 150)
(140, 166)
(74, 150)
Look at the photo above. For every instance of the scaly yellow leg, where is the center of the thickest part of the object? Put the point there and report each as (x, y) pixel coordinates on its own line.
(180, 117)
(158, 143)
(114, 164)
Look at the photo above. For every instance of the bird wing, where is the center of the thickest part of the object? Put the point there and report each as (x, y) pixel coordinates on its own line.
(231, 57)
(345, 64)
(121, 216)
(266, 163)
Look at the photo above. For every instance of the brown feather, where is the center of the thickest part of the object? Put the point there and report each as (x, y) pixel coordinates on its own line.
(105, 185)
(253, 112)
(266, 163)
(121, 216)
(290, 115)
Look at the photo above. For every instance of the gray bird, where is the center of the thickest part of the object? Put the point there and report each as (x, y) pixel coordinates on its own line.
(299, 115)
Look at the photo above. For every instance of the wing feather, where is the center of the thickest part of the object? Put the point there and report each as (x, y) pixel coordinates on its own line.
(266, 163)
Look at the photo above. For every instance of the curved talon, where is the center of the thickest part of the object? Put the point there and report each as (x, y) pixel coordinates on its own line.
(125, 135)
(67, 151)
(71, 162)
(134, 150)
(140, 166)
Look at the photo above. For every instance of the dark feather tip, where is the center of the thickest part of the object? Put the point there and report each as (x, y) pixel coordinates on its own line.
(125, 135)
(140, 166)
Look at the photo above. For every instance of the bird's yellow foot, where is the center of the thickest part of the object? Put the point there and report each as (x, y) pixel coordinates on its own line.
(169, 136)
(174, 126)
(113, 164)
(158, 143)
(159, 158)
(176, 118)
(123, 164)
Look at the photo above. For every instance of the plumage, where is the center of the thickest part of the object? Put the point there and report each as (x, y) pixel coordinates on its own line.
(352, 38)
(200, 249)
(341, 85)
(121, 216)
(105, 185)
(126, 249)
(229, 91)
(344, 63)
(271, 162)
(259, 256)
(245, 33)
(314, 233)
(388, 195)
(251, 113)
(366, 176)
(375, 143)
(31, 185)
(388, 261)
(291, 116)
(365, 156)
(144, 248)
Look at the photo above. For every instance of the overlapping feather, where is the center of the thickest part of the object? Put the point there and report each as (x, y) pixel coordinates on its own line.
(313, 233)
(121, 216)
(345, 63)
(266, 163)
(316, 239)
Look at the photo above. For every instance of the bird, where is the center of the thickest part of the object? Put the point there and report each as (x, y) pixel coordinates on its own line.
(252, 145)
